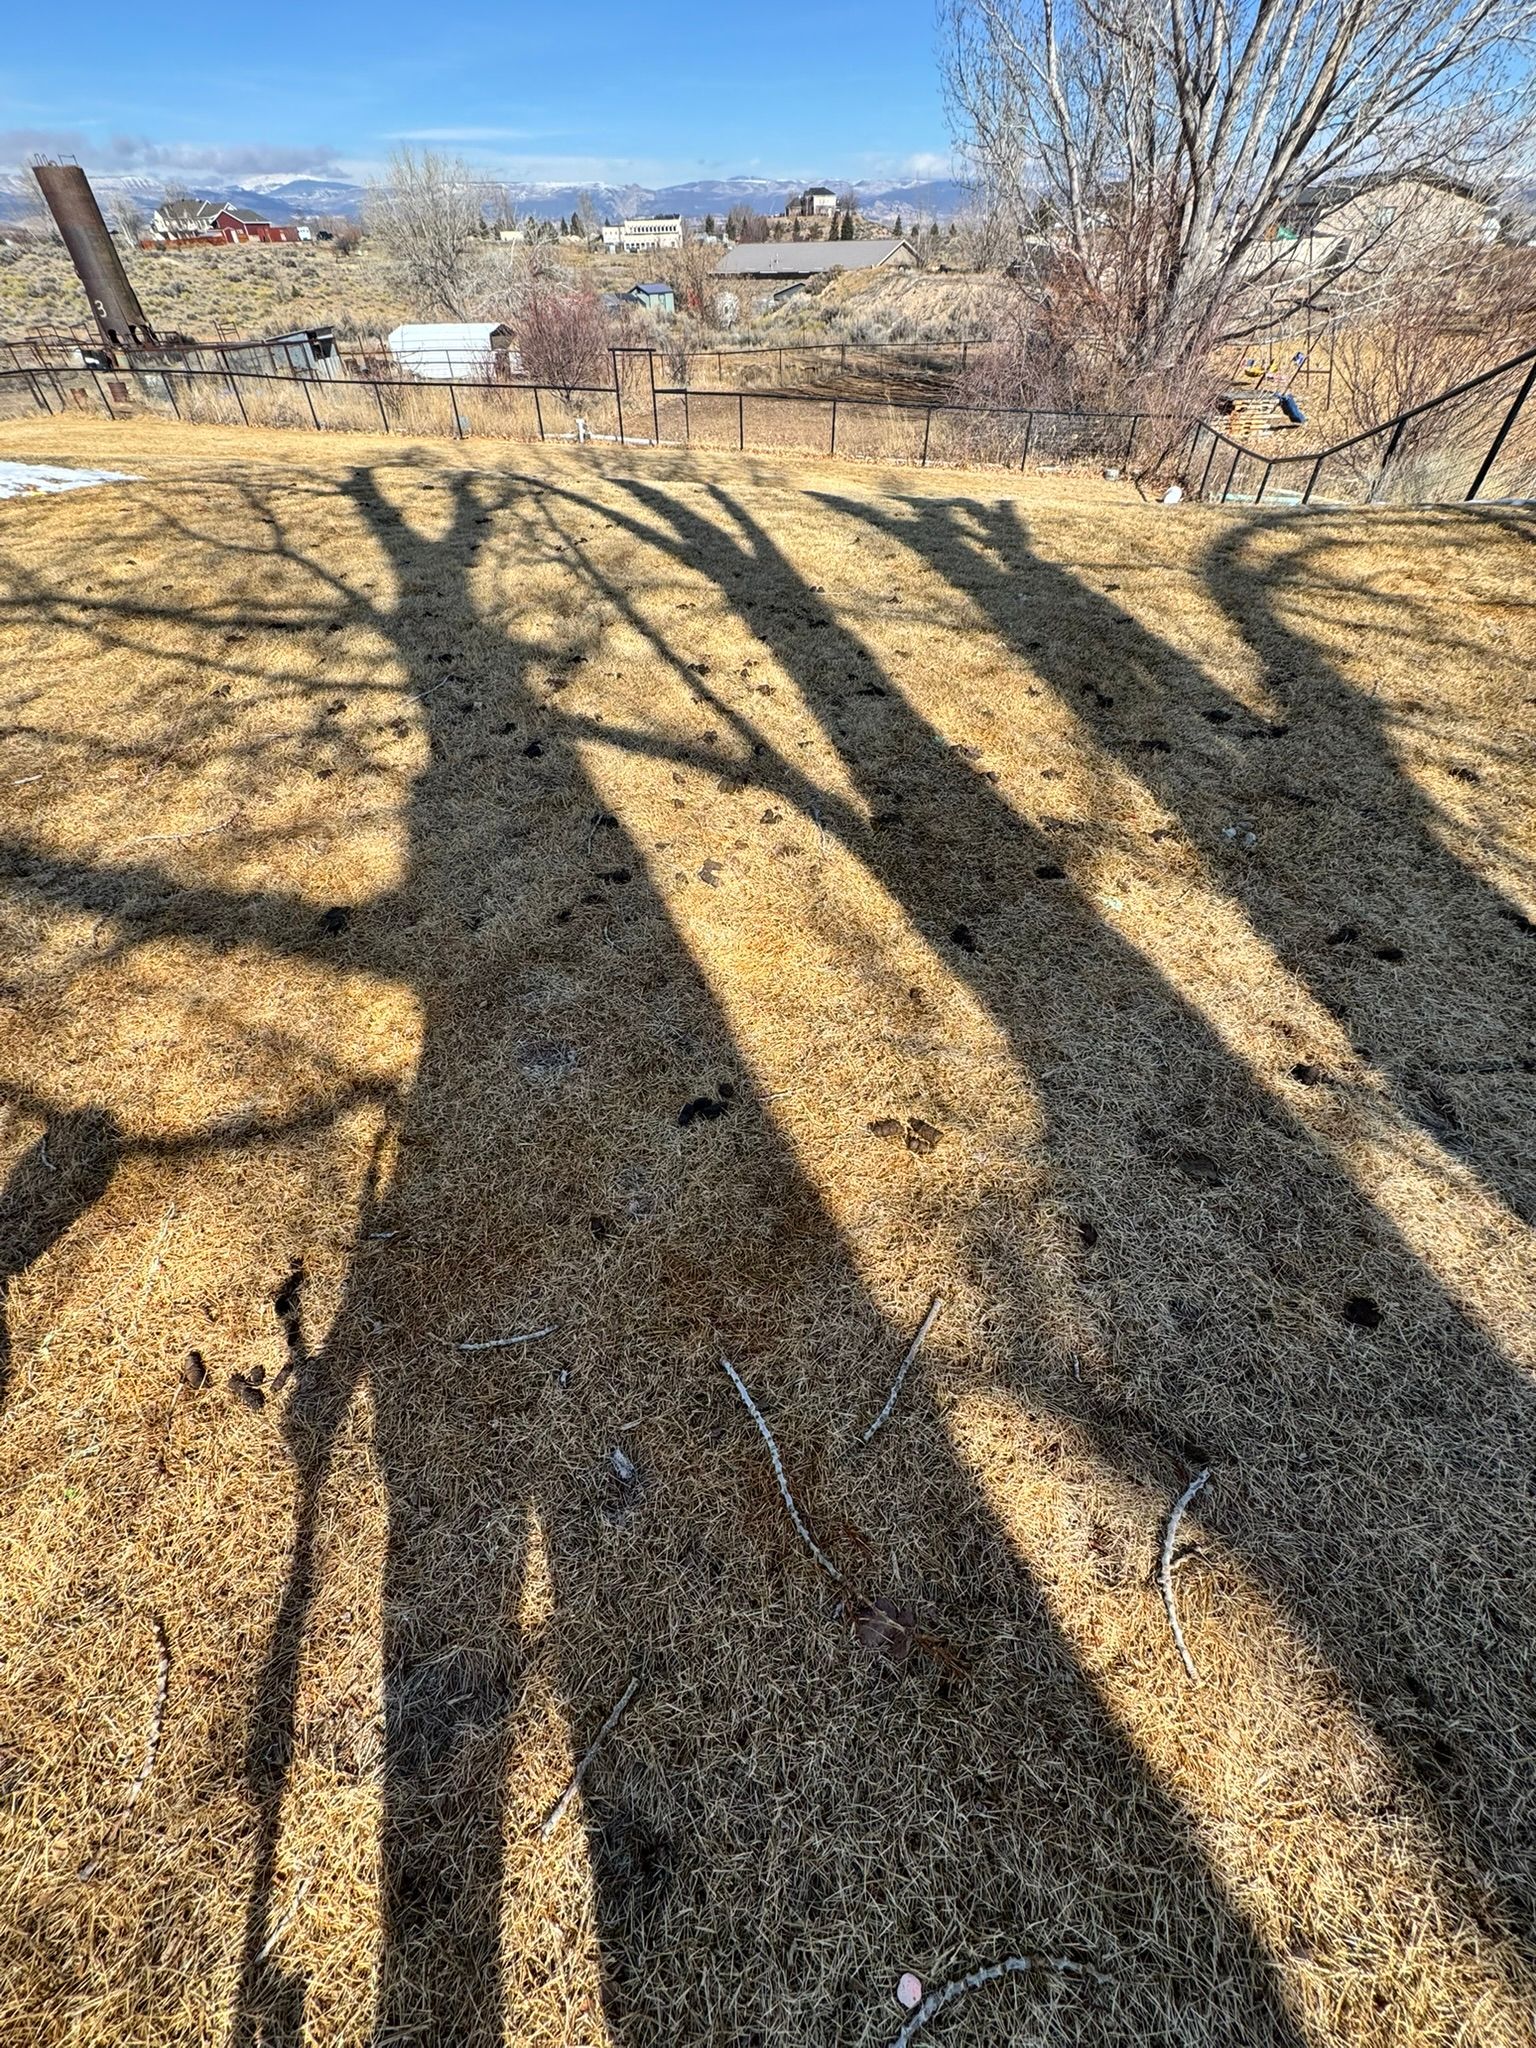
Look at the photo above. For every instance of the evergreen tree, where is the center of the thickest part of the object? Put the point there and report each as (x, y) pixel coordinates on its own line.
(848, 234)
(899, 228)
(709, 223)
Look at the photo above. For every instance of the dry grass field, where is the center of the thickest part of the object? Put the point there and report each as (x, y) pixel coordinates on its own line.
(250, 290)
(700, 907)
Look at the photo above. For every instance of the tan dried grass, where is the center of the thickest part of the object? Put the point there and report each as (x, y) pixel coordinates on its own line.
(832, 728)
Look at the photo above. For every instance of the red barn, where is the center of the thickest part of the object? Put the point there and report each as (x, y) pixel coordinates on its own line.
(239, 224)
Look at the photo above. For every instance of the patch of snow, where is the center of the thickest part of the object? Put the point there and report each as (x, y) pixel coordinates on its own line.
(24, 479)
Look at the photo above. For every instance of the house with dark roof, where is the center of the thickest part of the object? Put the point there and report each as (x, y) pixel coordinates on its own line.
(813, 201)
(241, 224)
(814, 259)
(185, 220)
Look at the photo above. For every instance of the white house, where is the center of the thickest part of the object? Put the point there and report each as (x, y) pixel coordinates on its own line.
(465, 351)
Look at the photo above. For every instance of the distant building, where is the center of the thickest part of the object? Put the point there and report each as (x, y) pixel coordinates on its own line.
(813, 259)
(240, 224)
(814, 201)
(462, 351)
(649, 231)
(1374, 225)
(184, 220)
(652, 298)
(210, 220)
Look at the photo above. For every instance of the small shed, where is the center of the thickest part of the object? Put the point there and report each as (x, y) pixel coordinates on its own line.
(466, 351)
(653, 298)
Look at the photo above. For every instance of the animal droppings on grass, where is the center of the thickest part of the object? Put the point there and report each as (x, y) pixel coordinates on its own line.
(962, 936)
(703, 1108)
(710, 874)
(1154, 746)
(1346, 935)
(194, 1372)
(335, 920)
(1200, 1168)
(1362, 1312)
(1048, 871)
(246, 1393)
(615, 875)
(887, 1127)
(885, 1628)
(1088, 1233)
(533, 750)
(771, 818)
(1307, 1074)
(1393, 955)
(922, 1137)
(1219, 717)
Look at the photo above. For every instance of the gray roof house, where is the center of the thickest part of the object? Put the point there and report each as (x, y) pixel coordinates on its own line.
(813, 259)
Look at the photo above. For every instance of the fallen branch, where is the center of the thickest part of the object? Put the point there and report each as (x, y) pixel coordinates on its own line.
(285, 1920)
(160, 838)
(906, 1366)
(1165, 1571)
(778, 1472)
(501, 1343)
(151, 1746)
(1018, 1966)
(557, 1812)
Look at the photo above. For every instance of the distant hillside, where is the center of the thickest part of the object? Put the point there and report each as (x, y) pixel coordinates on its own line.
(284, 198)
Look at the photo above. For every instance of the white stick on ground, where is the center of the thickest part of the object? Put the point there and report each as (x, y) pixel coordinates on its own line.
(778, 1472)
(285, 1921)
(151, 1745)
(501, 1343)
(1019, 1966)
(557, 1812)
(1165, 1571)
(905, 1367)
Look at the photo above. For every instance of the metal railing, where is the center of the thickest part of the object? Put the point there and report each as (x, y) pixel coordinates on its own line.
(676, 415)
(1407, 458)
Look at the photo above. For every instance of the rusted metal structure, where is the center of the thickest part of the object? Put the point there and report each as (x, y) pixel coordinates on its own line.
(114, 303)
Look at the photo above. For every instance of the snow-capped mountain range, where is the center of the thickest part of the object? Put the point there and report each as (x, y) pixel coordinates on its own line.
(286, 198)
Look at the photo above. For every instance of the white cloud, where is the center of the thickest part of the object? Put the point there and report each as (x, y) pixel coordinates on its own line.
(139, 153)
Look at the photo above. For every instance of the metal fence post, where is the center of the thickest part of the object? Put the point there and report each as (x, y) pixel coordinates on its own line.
(687, 426)
(106, 402)
(379, 401)
(1206, 477)
(538, 411)
(1130, 439)
(453, 407)
(741, 422)
(239, 400)
(650, 360)
(833, 449)
(618, 395)
(1499, 438)
(1386, 461)
(314, 416)
(927, 430)
(1306, 496)
(1029, 435)
(1237, 456)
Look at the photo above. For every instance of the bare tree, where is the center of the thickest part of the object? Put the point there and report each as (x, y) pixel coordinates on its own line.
(428, 215)
(127, 216)
(1145, 151)
(563, 335)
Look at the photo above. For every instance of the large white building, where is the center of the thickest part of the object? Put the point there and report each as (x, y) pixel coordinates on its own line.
(649, 231)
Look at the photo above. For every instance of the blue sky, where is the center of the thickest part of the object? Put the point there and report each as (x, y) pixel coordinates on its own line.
(662, 91)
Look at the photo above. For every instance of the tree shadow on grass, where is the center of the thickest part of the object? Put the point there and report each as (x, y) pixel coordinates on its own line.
(773, 1812)
(776, 1826)
(1386, 1504)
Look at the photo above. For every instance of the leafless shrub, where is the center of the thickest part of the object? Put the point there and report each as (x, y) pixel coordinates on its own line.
(563, 335)
(1447, 322)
